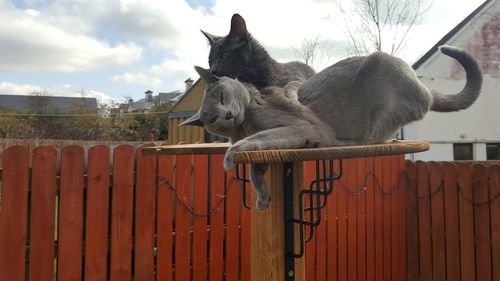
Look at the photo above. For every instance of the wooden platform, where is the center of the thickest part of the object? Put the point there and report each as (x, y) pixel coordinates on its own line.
(294, 155)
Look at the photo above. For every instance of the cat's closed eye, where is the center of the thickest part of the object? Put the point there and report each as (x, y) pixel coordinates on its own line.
(224, 55)
(213, 119)
(221, 98)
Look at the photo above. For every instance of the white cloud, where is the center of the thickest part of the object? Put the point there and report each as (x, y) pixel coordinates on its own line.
(32, 44)
(138, 79)
(7, 88)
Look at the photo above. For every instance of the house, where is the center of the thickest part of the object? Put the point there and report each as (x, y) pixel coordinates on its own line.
(149, 101)
(474, 133)
(47, 104)
(187, 105)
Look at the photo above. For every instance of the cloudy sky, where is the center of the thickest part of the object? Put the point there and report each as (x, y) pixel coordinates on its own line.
(117, 48)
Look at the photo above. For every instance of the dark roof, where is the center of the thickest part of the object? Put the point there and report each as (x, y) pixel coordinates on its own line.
(143, 104)
(47, 104)
(448, 36)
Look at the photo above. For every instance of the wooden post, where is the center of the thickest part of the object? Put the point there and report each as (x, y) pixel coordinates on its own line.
(268, 235)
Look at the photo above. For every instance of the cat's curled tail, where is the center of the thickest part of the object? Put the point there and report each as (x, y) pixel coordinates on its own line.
(471, 90)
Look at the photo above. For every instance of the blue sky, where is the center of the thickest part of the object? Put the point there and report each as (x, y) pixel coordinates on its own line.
(114, 49)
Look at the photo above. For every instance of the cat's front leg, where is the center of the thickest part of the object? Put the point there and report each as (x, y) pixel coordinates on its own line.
(292, 90)
(257, 172)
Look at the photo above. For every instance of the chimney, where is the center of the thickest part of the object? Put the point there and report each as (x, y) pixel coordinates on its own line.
(189, 83)
(149, 95)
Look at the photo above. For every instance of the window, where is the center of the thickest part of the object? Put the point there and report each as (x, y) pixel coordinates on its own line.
(462, 151)
(493, 151)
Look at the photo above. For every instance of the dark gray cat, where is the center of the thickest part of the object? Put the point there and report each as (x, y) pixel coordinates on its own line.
(360, 100)
(257, 120)
(239, 55)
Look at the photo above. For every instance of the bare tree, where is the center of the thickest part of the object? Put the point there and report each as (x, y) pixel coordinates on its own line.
(380, 25)
(308, 50)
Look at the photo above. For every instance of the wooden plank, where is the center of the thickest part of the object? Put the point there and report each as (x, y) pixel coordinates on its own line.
(321, 239)
(245, 231)
(233, 198)
(331, 253)
(121, 213)
(342, 225)
(96, 235)
(200, 235)
(467, 255)
(310, 247)
(352, 250)
(412, 246)
(424, 221)
(145, 204)
(43, 202)
(216, 218)
(71, 214)
(395, 230)
(297, 155)
(13, 214)
(482, 222)
(370, 220)
(387, 218)
(361, 218)
(437, 222)
(494, 186)
(451, 221)
(182, 217)
(166, 205)
(402, 217)
(379, 226)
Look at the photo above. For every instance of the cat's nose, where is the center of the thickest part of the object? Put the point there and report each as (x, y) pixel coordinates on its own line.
(229, 115)
(213, 71)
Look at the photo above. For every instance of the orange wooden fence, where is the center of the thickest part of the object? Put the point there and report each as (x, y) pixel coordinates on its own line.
(181, 218)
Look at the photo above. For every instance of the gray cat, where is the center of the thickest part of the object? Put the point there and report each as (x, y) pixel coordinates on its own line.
(257, 120)
(360, 100)
(239, 55)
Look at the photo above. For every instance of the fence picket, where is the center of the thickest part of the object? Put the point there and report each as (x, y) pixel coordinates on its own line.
(42, 224)
(200, 235)
(321, 242)
(13, 216)
(494, 185)
(352, 249)
(245, 235)
(481, 222)
(216, 219)
(412, 257)
(379, 230)
(96, 240)
(331, 253)
(69, 261)
(361, 214)
(395, 229)
(370, 220)
(451, 222)
(182, 218)
(166, 205)
(424, 221)
(310, 247)
(232, 240)
(121, 213)
(342, 225)
(437, 222)
(402, 217)
(466, 223)
(145, 205)
(387, 217)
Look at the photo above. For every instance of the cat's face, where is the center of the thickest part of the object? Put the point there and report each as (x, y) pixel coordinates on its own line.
(230, 55)
(223, 107)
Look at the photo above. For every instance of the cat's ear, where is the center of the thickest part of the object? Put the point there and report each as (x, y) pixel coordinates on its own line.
(193, 121)
(238, 27)
(206, 75)
(211, 38)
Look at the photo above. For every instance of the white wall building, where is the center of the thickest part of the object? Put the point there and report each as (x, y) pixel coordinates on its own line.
(474, 133)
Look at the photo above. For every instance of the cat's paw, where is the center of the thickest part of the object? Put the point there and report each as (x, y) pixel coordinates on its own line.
(229, 161)
(262, 202)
